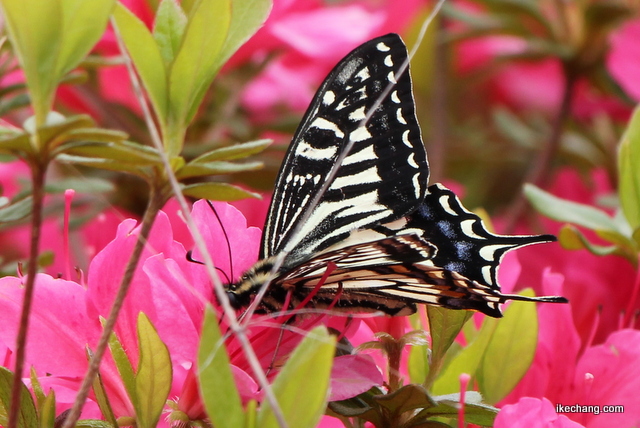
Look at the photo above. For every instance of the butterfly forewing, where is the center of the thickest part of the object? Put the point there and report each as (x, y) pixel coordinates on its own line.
(384, 175)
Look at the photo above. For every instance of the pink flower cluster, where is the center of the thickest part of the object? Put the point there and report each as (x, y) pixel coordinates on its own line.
(173, 293)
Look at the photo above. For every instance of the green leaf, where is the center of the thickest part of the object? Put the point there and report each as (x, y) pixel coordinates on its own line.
(93, 423)
(122, 151)
(168, 29)
(444, 326)
(572, 239)
(92, 185)
(36, 36)
(466, 361)
(146, 56)
(510, 351)
(217, 192)
(246, 18)
(36, 387)
(201, 169)
(195, 65)
(418, 363)
(58, 127)
(84, 23)
(108, 164)
(16, 144)
(629, 171)
(153, 380)
(237, 151)
(16, 210)
(405, 399)
(27, 417)
(48, 411)
(301, 387)
(219, 391)
(93, 135)
(101, 396)
(124, 367)
(475, 411)
(570, 212)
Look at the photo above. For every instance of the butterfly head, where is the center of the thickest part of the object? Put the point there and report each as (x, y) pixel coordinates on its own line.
(241, 292)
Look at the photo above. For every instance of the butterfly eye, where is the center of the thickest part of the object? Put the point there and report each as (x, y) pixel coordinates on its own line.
(234, 301)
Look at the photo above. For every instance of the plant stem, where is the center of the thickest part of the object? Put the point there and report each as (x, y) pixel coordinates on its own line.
(156, 201)
(539, 174)
(38, 171)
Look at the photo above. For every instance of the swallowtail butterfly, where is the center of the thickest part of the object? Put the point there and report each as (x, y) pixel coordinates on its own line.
(394, 241)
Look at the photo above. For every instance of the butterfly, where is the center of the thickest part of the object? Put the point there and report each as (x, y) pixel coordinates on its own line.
(378, 237)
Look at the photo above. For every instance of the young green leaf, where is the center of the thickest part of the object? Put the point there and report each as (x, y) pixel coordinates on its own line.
(203, 169)
(17, 210)
(475, 411)
(509, 352)
(570, 212)
(168, 29)
(302, 385)
(27, 417)
(237, 151)
(247, 16)
(629, 172)
(217, 192)
(219, 391)
(124, 367)
(36, 387)
(444, 326)
(195, 65)
(36, 36)
(101, 396)
(153, 380)
(466, 361)
(48, 411)
(84, 23)
(146, 57)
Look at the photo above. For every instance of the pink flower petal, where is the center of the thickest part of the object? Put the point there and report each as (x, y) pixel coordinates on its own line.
(352, 375)
(328, 33)
(58, 328)
(623, 60)
(615, 367)
(531, 412)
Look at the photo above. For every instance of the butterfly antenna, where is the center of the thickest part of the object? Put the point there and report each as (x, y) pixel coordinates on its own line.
(226, 237)
(190, 258)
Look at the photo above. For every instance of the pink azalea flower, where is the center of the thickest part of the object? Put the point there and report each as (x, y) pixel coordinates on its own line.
(66, 316)
(566, 373)
(532, 413)
(622, 61)
(86, 240)
(314, 39)
(538, 84)
(610, 280)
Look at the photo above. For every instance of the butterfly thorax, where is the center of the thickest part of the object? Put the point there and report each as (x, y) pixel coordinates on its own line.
(244, 290)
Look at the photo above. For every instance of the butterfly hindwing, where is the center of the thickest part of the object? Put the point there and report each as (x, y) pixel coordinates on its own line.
(464, 244)
(391, 275)
(383, 177)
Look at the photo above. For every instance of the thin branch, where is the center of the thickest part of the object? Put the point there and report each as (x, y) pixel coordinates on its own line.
(541, 171)
(155, 203)
(38, 171)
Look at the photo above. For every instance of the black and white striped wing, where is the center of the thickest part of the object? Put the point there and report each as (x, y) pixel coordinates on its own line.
(441, 254)
(464, 245)
(390, 275)
(383, 177)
